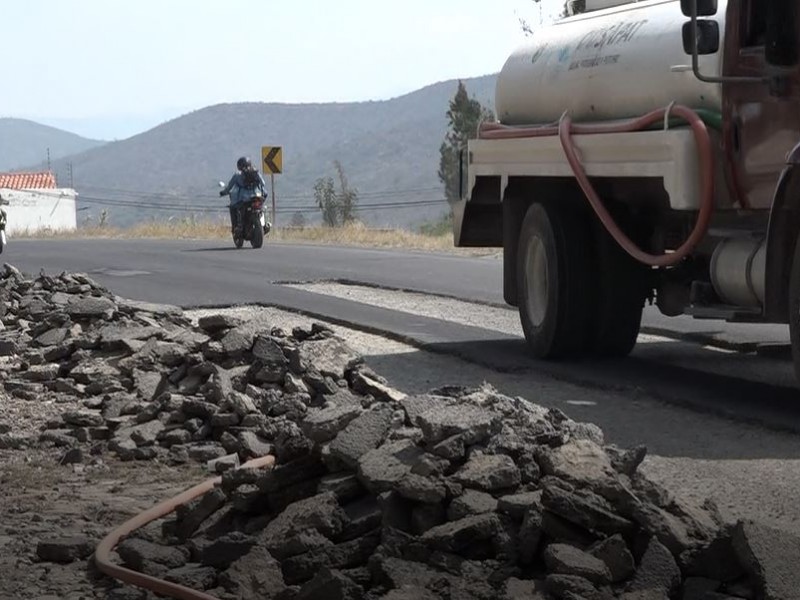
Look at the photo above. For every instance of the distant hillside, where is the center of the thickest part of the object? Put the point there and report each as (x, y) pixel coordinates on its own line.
(389, 150)
(24, 144)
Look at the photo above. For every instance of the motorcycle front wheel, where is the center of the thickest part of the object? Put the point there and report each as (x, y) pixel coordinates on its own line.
(257, 239)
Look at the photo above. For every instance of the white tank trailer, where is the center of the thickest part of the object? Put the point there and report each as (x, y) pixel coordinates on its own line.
(620, 62)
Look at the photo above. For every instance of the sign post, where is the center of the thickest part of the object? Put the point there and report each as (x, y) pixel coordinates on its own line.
(272, 184)
(272, 163)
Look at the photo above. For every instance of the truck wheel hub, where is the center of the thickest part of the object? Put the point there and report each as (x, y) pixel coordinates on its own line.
(536, 281)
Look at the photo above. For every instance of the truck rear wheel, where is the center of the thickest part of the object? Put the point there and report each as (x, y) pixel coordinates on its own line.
(621, 289)
(553, 279)
(794, 309)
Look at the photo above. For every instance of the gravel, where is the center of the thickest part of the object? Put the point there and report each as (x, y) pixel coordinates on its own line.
(496, 318)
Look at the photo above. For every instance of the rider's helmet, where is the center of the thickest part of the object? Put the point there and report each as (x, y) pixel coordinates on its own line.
(243, 163)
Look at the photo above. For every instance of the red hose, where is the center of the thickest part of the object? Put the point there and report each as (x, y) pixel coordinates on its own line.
(565, 128)
(102, 555)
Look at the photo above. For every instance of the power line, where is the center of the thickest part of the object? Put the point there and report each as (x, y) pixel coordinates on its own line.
(194, 197)
(189, 205)
(221, 209)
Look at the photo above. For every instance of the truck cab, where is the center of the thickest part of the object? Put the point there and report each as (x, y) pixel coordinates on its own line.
(644, 151)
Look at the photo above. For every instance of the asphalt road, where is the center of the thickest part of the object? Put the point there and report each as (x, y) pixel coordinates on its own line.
(203, 274)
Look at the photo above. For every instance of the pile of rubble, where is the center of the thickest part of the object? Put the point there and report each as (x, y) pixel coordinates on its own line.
(149, 384)
(458, 494)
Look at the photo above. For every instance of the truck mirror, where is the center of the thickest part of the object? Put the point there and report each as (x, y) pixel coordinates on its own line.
(707, 37)
(705, 8)
(781, 35)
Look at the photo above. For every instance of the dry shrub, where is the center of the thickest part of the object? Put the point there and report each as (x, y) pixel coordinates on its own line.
(354, 234)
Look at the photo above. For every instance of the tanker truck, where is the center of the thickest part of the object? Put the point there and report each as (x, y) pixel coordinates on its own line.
(643, 152)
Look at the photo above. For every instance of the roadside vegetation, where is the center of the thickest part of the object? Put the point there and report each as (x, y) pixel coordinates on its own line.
(432, 237)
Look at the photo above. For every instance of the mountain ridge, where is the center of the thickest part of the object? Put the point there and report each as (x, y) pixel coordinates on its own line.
(24, 144)
(389, 150)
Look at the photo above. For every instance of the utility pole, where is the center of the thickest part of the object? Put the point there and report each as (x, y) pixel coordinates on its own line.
(48, 158)
(71, 182)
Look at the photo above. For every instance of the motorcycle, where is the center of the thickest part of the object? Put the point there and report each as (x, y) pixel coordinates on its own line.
(253, 226)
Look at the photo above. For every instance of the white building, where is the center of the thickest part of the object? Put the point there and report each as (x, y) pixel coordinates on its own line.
(33, 202)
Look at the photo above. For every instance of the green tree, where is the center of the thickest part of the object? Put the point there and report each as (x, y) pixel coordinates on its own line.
(578, 6)
(347, 196)
(338, 206)
(325, 196)
(464, 117)
(441, 226)
(526, 26)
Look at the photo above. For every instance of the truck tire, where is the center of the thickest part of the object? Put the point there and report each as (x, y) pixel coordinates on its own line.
(621, 290)
(553, 279)
(794, 309)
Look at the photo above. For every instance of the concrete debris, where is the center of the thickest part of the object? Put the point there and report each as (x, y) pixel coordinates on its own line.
(771, 558)
(64, 550)
(657, 570)
(614, 552)
(568, 560)
(460, 493)
(471, 502)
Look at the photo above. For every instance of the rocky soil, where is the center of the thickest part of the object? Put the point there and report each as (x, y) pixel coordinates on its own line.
(459, 493)
(70, 508)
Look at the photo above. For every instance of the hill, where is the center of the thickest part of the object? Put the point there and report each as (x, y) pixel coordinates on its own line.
(389, 150)
(24, 143)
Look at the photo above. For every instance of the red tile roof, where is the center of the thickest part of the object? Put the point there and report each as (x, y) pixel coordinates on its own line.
(28, 181)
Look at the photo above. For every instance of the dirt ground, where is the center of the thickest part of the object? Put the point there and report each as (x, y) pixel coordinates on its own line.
(41, 499)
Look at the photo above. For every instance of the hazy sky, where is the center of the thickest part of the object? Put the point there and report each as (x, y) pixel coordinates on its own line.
(114, 67)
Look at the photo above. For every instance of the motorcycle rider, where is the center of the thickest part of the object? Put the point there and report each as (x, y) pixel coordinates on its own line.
(240, 191)
(3, 214)
(3, 221)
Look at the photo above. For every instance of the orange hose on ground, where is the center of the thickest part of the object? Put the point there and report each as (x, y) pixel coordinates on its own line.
(102, 556)
(565, 128)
